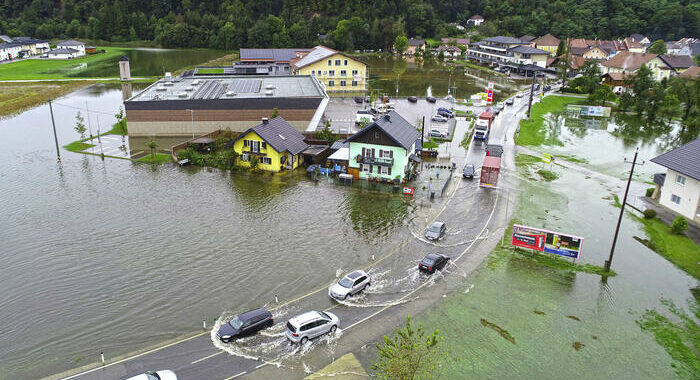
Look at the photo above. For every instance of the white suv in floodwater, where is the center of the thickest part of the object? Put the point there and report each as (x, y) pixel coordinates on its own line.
(311, 325)
(349, 285)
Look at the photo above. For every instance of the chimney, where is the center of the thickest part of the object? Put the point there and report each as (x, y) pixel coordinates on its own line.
(265, 120)
(387, 117)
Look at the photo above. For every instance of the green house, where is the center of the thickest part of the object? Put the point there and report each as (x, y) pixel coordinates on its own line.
(384, 150)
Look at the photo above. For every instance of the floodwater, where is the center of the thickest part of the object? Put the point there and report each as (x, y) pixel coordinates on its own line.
(423, 77)
(146, 62)
(114, 256)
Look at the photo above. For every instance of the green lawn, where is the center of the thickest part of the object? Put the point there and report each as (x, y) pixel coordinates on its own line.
(160, 158)
(533, 131)
(210, 70)
(77, 146)
(54, 68)
(678, 249)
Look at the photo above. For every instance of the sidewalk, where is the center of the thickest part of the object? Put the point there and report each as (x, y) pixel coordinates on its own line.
(667, 217)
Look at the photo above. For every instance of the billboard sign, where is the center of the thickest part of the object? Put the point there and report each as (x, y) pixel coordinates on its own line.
(591, 111)
(547, 241)
(547, 158)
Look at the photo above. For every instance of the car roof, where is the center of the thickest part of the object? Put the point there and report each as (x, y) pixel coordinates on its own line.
(433, 256)
(253, 313)
(437, 224)
(304, 318)
(356, 274)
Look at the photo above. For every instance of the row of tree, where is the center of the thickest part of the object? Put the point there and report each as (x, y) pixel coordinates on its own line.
(346, 25)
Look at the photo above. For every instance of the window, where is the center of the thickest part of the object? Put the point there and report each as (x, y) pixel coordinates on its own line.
(337, 62)
(354, 72)
(263, 145)
(325, 72)
(329, 62)
(331, 83)
(680, 179)
(343, 73)
(385, 170)
(266, 160)
(675, 199)
(313, 72)
(354, 83)
(331, 73)
(364, 168)
(346, 62)
(342, 83)
(245, 157)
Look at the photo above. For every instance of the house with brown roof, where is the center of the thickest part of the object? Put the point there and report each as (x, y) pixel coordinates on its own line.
(679, 63)
(415, 45)
(449, 51)
(691, 73)
(634, 46)
(616, 81)
(548, 43)
(455, 42)
(629, 62)
(596, 53)
(528, 38)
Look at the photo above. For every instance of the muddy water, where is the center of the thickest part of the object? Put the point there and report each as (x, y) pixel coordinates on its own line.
(114, 256)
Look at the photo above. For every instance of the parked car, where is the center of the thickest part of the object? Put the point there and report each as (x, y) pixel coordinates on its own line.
(509, 101)
(245, 324)
(430, 99)
(437, 133)
(412, 99)
(359, 99)
(165, 374)
(468, 171)
(436, 231)
(439, 119)
(311, 325)
(432, 262)
(519, 95)
(445, 112)
(349, 285)
(547, 88)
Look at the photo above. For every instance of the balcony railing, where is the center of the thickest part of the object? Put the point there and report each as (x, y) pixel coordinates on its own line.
(382, 161)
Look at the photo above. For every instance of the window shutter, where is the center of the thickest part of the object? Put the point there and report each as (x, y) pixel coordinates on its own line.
(363, 152)
(373, 153)
(389, 170)
(391, 155)
(370, 168)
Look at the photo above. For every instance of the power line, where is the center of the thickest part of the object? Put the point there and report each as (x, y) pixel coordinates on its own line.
(84, 109)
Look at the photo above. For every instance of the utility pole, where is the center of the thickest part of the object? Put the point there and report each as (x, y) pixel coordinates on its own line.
(55, 138)
(192, 113)
(622, 210)
(87, 110)
(532, 89)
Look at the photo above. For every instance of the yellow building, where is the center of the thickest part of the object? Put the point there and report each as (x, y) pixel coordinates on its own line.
(338, 72)
(275, 145)
(548, 43)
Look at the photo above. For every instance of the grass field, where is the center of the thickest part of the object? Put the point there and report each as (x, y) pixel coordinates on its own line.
(18, 97)
(54, 68)
(678, 249)
(211, 70)
(533, 131)
(159, 158)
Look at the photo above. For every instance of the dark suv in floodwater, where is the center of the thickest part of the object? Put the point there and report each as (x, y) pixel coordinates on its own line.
(244, 324)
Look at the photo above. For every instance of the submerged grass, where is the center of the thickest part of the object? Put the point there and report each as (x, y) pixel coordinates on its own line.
(158, 158)
(18, 97)
(77, 146)
(678, 334)
(548, 175)
(501, 331)
(55, 68)
(678, 249)
(533, 131)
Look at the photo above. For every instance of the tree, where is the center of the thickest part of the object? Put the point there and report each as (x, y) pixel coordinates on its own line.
(589, 81)
(120, 120)
(326, 133)
(561, 48)
(409, 354)
(679, 225)
(80, 125)
(275, 113)
(657, 47)
(401, 44)
(602, 95)
(152, 145)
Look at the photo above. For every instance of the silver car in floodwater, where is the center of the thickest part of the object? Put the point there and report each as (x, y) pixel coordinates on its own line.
(310, 325)
(349, 285)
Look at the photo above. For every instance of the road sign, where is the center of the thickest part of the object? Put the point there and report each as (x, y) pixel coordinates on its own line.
(547, 158)
(547, 241)
(408, 190)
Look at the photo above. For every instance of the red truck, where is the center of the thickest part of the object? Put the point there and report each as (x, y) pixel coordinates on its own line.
(483, 126)
(489, 171)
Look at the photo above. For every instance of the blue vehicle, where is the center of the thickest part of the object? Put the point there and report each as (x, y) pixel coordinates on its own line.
(445, 112)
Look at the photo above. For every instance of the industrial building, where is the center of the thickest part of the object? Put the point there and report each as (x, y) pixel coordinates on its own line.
(192, 106)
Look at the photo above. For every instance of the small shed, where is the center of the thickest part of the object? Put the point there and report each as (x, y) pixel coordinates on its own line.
(316, 154)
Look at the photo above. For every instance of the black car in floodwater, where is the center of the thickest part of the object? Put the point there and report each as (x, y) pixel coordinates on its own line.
(412, 99)
(245, 324)
(431, 99)
(432, 262)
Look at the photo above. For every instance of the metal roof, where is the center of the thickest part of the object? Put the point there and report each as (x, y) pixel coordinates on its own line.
(63, 51)
(396, 127)
(527, 50)
(277, 55)
(505, 40)
(70, 43)
(280, 135)
(685, 159)
(316, 54)
(342, 143)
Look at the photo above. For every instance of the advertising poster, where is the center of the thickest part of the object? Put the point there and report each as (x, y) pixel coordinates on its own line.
(547, 241)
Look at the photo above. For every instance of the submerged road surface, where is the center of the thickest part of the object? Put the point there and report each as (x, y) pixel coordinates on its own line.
(466, 209)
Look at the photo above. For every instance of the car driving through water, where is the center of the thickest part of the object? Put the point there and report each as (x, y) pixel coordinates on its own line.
(349, 285)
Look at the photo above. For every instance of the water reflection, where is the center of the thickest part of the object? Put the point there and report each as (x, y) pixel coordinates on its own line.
(635, 130)
(375, 217)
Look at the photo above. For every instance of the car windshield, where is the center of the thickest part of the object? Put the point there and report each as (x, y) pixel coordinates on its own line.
(235, 323)
(434, 227)
(291, 327)
(345, 282)
(152, 376)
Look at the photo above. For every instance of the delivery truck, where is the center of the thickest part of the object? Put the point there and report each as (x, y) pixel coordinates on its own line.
(489, 171)
(483, 127)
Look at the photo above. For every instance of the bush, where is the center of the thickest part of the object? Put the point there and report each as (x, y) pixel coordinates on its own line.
(649, 213)
(650, 191)
(679, 225)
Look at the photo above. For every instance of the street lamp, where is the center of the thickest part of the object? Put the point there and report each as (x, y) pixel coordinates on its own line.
(192, 113)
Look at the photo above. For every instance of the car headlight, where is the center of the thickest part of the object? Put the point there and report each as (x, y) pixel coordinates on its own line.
(226, 337)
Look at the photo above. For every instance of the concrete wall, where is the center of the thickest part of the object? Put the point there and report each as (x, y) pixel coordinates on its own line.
(689, 194)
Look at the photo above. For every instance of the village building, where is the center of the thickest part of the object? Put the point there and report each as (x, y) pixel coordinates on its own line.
(448, 51)
(274, 145)
(78, 46)
(679, 63)
(629, 62)
(595, 53)
(338, 72)
(463, 42)
(415, 45)
(616, 81)
(548, 43)
(679, 188)
(196, 105)
(20, 47)
(528, 38)
(641, 39)
(691, 73)
(266, 61)
(475, 20)
(384, 150)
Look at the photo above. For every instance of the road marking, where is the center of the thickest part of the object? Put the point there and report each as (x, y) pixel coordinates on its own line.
(207, 357)
(135, 356)
(261, 365)
(235, 376)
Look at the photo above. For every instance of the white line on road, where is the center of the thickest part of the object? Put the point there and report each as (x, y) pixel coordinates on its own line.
(261, 365)
(207, 357)
(235, 376)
